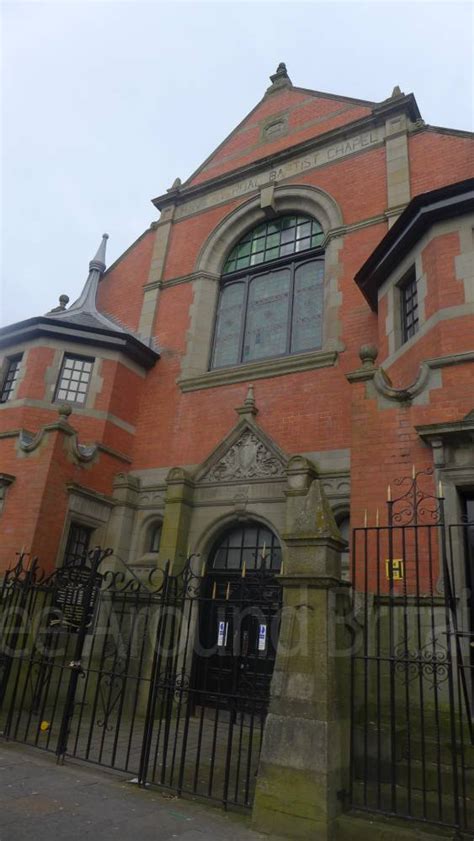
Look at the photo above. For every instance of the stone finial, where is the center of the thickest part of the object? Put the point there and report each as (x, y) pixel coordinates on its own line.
(249, 408)
(64, 412)
(250, 399)
(280, 79)
(367, 355)
(63, 302)
(175, 185)
(98, 262)
(396, 92)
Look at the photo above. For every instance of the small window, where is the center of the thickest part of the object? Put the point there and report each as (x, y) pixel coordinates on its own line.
(154, 538)
(409, 305)
(344, 527)
(73, 382)
(78, 543)
(11, 378)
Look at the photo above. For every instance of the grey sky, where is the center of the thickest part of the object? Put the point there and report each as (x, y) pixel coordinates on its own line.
(104, 104)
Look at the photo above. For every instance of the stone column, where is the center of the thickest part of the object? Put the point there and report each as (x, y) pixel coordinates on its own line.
(305, 752)
(122, 519)
(178, 509)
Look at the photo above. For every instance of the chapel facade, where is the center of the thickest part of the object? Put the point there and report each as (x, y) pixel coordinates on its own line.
(304, 301)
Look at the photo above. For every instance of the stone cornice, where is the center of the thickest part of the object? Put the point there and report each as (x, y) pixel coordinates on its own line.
(259, 370)
(88, 493)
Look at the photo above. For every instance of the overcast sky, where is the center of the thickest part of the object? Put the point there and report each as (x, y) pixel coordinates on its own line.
(105, 103)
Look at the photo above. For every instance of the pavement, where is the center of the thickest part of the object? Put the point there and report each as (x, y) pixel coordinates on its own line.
(43, 801)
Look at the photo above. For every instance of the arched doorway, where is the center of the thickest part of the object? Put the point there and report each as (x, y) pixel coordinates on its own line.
(240, 618)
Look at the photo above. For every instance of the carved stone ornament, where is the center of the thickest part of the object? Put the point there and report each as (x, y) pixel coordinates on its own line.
(247, 458)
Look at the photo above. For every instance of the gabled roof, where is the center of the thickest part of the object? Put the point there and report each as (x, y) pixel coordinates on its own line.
(82, 322)
(300, 117)
(420, 214)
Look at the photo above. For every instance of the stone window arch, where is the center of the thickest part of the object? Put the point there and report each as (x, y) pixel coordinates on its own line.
(271, 292)
(297, 200)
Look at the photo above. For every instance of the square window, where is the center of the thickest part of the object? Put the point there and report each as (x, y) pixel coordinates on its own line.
(73, 382)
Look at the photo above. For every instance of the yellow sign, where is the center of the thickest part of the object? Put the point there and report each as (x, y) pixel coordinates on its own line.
(397, 569)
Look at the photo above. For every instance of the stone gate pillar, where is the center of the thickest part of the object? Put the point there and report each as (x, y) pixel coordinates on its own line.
(178, 508)
(305, 752)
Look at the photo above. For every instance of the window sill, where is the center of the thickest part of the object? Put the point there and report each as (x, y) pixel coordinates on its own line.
(258, 370)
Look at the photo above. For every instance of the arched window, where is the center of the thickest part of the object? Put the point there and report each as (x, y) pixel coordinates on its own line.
(271, 295)
(154, 538)
(250, 544)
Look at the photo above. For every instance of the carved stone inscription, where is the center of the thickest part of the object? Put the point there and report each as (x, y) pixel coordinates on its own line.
(248, 458)
(319, 157)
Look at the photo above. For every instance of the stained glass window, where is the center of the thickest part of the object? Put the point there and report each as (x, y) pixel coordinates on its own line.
(266, 311)
(271, 240)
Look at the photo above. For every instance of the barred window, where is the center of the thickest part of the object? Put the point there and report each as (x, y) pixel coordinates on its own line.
(409, 306)
(78, 543)
(11, 377)
(73, 382)
(251, 545)
(271, 297)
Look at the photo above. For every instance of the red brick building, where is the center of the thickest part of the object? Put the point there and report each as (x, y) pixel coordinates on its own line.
(324, 254)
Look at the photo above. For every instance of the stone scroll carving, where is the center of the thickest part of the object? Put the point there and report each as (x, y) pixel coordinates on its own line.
(247, 458)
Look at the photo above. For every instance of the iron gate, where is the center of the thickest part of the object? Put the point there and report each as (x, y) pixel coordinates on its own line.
(112, 669)
(412, 750)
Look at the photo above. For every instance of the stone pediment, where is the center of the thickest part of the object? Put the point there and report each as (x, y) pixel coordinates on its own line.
(246, 454)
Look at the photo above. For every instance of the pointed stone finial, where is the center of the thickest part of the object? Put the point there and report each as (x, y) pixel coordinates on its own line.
(249, 409)
(396, 92)
(98, 262)
(280, 79)
(250, 399)
(175, 185)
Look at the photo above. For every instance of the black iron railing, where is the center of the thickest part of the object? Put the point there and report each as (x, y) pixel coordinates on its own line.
(165, 677)
(412, 754)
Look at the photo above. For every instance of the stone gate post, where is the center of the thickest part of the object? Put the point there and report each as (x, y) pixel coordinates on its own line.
(305, 753)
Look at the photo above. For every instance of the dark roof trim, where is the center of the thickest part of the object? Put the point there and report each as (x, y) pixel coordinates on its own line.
(379, 114)
(39, 326)
(422, 212)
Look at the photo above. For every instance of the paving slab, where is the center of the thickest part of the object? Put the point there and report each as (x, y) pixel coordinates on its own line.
(44, 801)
